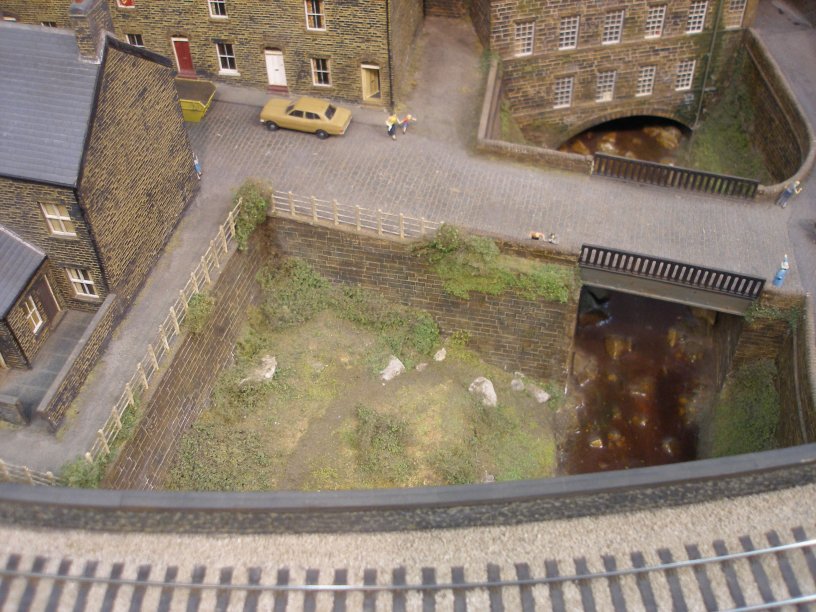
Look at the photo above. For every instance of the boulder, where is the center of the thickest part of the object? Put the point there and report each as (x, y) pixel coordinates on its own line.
(517, 384)
(483, 388)
(394, 368)
(421, 366)
(440, 355)
(540, 395)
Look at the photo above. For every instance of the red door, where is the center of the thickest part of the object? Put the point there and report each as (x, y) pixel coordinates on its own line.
(183, 58)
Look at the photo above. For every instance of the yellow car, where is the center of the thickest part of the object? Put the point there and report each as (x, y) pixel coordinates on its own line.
(306, 115)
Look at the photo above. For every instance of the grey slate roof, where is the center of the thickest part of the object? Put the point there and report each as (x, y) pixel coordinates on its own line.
(18, 262)
(46, 98)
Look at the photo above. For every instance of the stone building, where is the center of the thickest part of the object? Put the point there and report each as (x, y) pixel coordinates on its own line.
(95, 172)
(357, 51)
(570, 65)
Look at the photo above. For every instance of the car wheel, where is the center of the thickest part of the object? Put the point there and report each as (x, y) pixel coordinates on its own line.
(272, 126)
(321, 134)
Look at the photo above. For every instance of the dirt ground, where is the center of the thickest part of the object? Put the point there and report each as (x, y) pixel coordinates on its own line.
(301, 429)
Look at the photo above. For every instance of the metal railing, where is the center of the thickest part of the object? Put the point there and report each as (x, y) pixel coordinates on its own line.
(362, 219)
(662, 175)
(667, 270)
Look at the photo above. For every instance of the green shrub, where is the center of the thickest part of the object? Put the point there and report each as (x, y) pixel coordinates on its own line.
(198, 314)
(293, 293)
(747, 414)
(468, 263)
(255, 199)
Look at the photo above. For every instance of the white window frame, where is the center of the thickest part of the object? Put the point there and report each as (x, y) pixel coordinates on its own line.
(318, 69)
(605, 86)
(734, 13)
(696, 16)
(135, 40)
(226, 52)
(218, 9)
(685, 75)
(645, 81)
(562, 92)
(525, 38)
(568, 32)
(655, 19)
(613, 27)
(58, 219)
(82, 282)
(33, 315)
(316, 16)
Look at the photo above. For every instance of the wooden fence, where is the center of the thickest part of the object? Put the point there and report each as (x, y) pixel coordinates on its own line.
(662, 175)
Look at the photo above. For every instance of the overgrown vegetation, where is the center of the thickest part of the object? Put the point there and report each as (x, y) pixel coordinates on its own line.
(81, 474)
(326, 421)
(510, 130)
(467, 263)
(294, 293)
(758, 311)
(747, 413)
(256, 198)
(722, 142)
(199, 309)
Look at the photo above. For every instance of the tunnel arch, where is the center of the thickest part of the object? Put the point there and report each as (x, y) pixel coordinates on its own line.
(582, 126)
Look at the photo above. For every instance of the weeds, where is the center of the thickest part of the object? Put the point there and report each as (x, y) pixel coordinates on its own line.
(757, 312)
(380, 440)
(747, 413)
(474, 264)
(255, 199)
(198, 314)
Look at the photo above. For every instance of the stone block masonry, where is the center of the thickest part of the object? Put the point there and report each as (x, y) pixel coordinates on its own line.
(533, 336)
(186, 386)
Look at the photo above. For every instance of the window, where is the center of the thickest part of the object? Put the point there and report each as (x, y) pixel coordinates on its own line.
(82, 282)
(685, 74)
(126, 3)
(525, 35)
(605, 86)
(135, 40)
(226, 58)
(613, 26)
(563, 92)
(218, 8)
(49, 24)
(733, 13)
(568, 34)
(58, 219)
(32, 315)
(315, 18)
(320, 71)
(645, 82)
(654, 21)
(696, 17)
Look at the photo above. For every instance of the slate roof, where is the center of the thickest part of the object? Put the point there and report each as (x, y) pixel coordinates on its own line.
(46, 99)
(18, 263)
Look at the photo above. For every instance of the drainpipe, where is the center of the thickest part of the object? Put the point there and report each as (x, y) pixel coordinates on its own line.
(708, 61)
(390, 63)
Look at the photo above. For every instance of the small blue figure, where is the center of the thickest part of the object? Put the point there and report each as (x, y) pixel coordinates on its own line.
(780, 274)
(795, 188)
(197, 165)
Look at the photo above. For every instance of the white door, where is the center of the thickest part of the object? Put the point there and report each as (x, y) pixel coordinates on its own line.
(274, 68)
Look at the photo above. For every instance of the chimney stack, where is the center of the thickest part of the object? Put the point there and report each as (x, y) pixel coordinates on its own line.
(91, 20)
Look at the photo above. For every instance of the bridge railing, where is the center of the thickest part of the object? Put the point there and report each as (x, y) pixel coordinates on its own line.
(667, 270)
(662, 175)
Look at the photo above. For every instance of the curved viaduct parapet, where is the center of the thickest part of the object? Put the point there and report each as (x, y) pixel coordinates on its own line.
(408, 509)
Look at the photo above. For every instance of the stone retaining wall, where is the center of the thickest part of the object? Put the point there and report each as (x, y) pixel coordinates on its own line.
(533, 336)
(797, 367)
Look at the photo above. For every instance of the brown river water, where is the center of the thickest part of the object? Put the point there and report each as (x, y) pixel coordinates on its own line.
(645, 138)
(641, 375)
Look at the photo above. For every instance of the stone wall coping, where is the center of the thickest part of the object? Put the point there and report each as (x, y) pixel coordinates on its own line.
(711, 475)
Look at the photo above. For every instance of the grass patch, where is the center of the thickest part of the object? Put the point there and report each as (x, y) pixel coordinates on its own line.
(510, 130)
(747, 414)
(380, 440)
(198, 314)
(81, 474)
(255, 200)
(467, 263)
(758, 311)
(722, 142)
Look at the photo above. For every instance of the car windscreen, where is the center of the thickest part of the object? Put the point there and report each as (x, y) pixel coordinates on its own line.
(330, 111)
(289, 108)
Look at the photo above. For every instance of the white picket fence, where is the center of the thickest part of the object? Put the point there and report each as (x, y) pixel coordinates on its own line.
(283, 203)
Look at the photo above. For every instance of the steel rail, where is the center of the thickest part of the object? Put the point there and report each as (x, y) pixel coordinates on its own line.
(440, 586)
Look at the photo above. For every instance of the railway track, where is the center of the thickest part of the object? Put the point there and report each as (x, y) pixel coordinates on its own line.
(779, 573)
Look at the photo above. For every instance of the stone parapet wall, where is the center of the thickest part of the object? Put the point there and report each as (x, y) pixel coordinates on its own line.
(780, 132)
(532, 336)
(83, 358)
